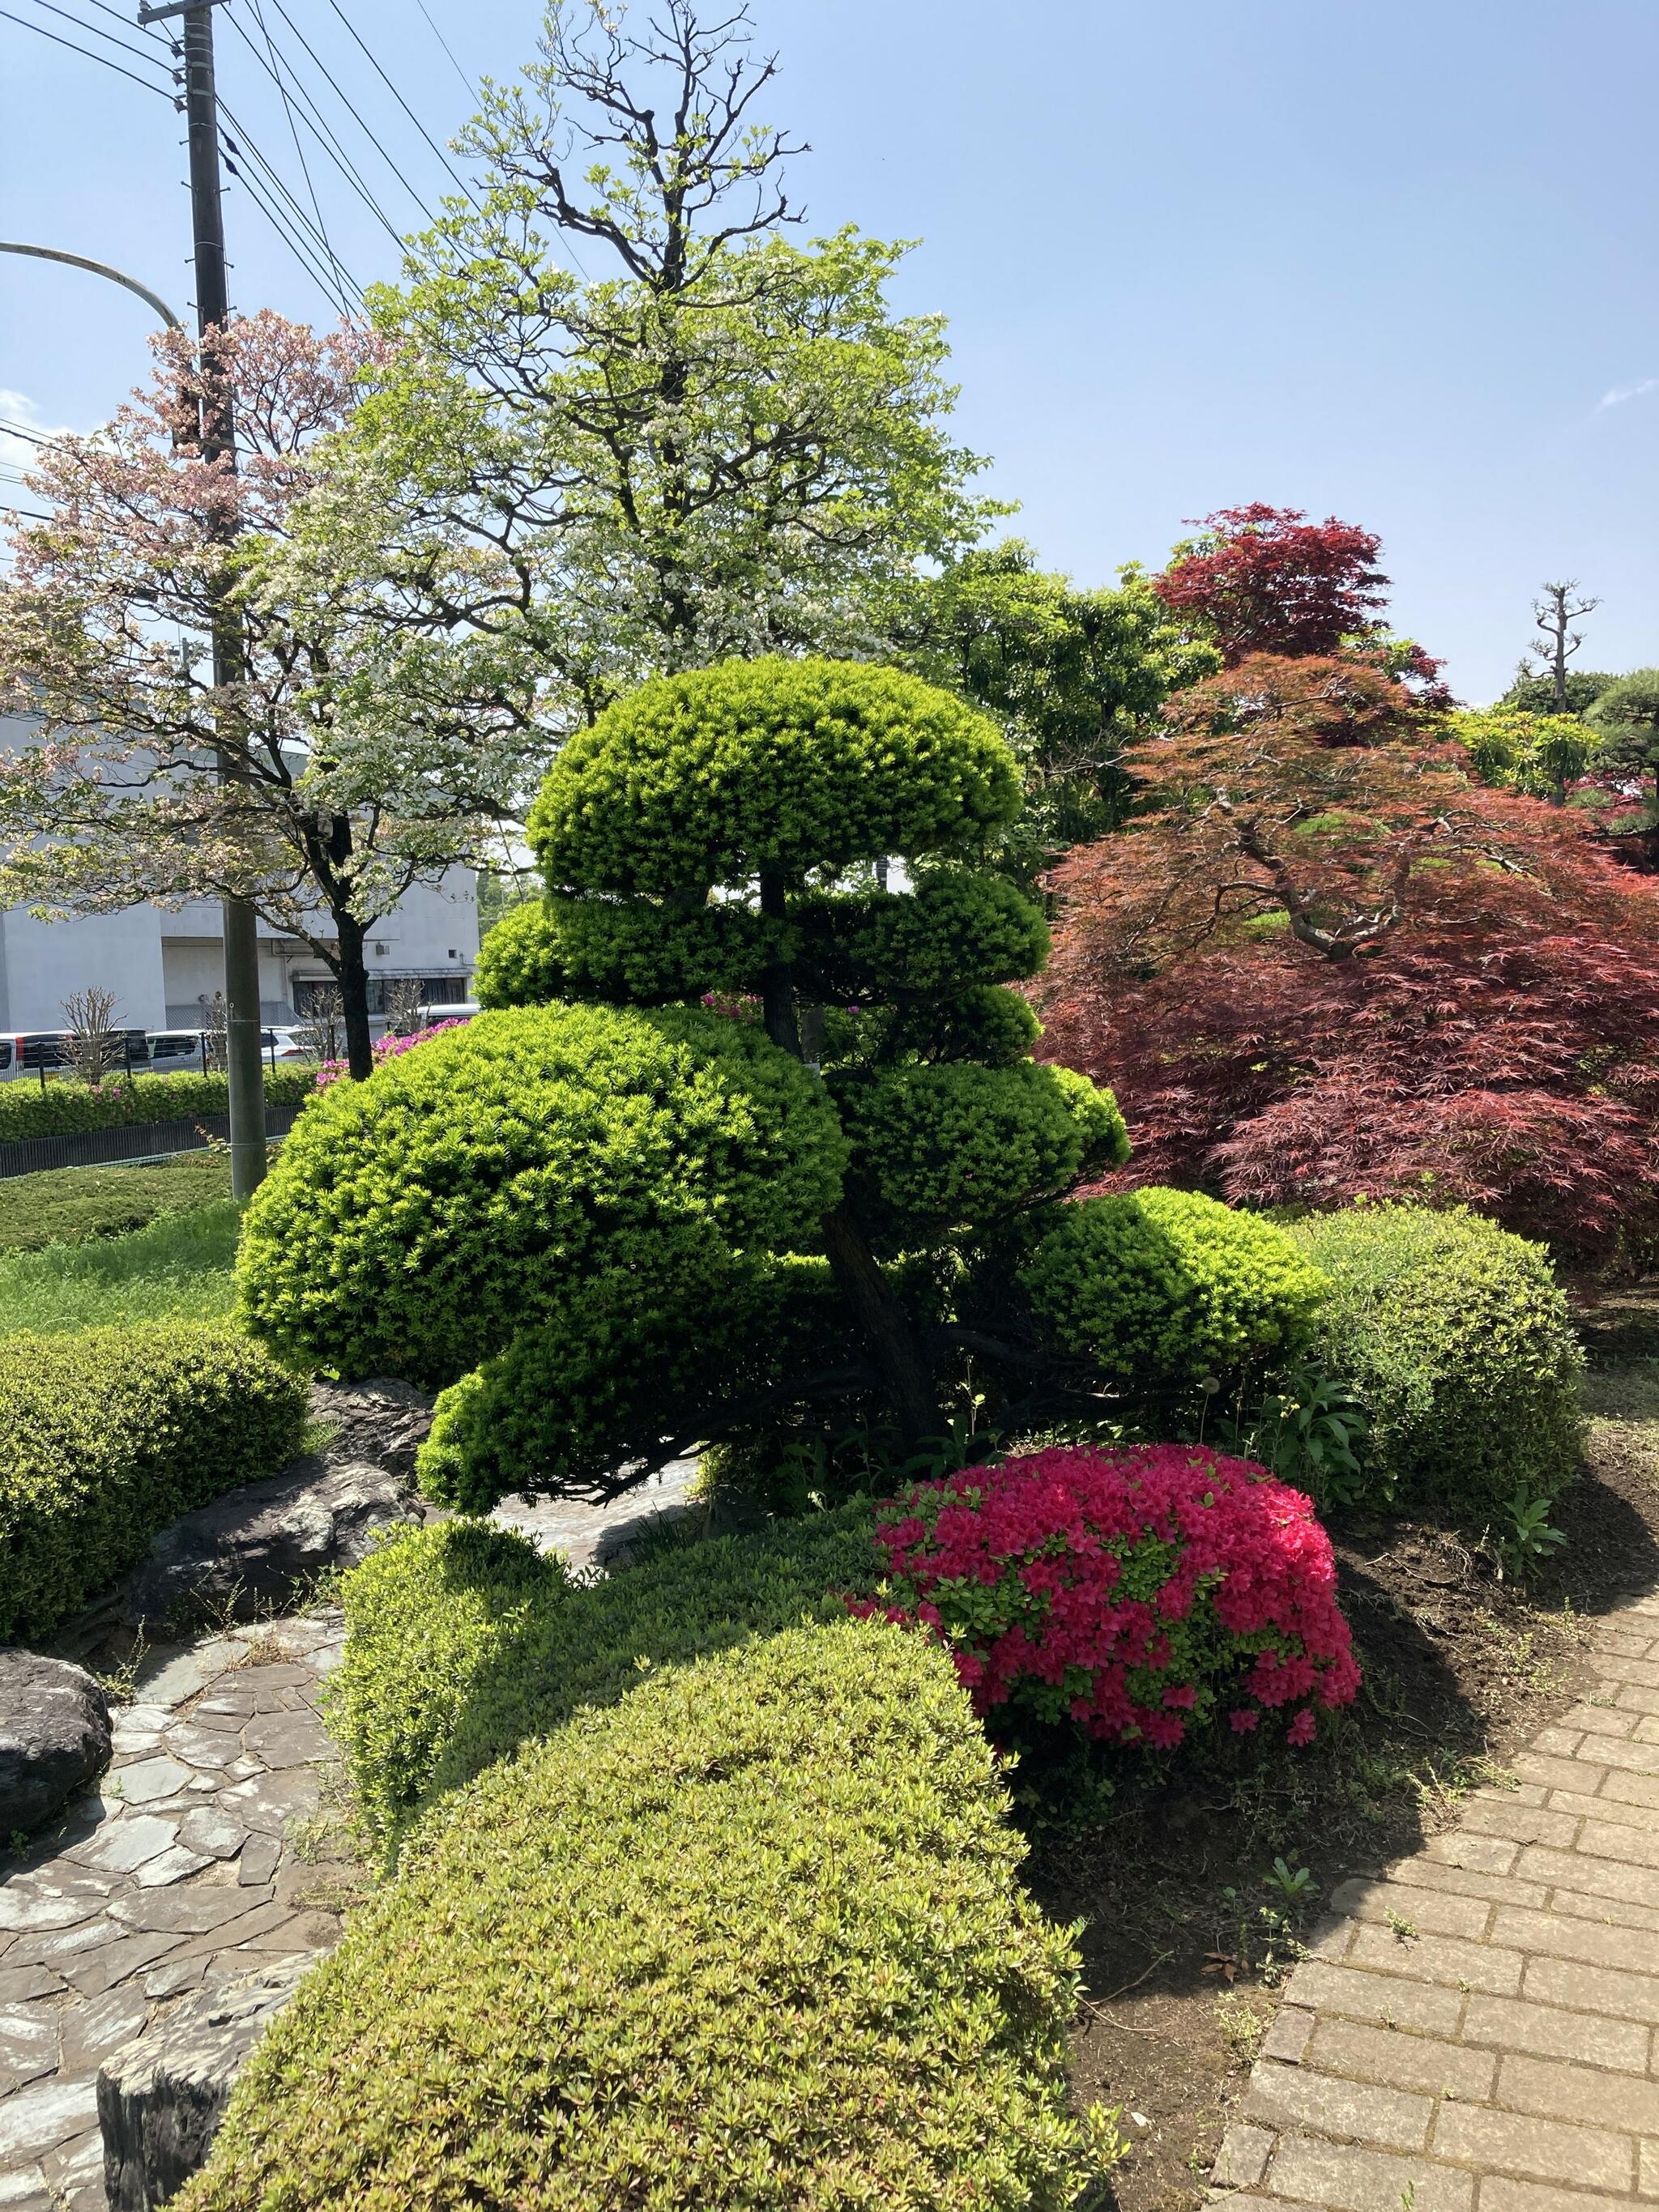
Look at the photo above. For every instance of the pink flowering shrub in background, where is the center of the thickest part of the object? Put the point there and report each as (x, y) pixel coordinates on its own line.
(387, 1049)
(1135, 1592)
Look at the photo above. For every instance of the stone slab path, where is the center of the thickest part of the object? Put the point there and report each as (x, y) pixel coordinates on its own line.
(1479, 2030)
(199, 1858)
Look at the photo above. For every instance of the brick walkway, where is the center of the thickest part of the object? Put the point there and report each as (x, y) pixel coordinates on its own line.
(1480, 2031)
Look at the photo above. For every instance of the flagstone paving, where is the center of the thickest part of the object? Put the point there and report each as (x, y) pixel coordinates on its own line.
(199, 1859)
(1479, 2029)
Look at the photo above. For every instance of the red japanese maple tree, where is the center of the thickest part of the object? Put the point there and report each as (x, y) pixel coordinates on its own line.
(1266, 580)
(1325, 964)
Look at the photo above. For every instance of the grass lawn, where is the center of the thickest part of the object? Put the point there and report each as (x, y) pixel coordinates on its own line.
(179, 1264)
(69, 1206)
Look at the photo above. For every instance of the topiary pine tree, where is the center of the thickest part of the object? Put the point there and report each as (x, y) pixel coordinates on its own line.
(747, 1135)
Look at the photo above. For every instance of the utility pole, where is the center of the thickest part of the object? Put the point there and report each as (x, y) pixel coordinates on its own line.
(244, 1062)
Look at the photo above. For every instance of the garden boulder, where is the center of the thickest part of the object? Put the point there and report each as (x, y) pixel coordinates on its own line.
(54, 1735)
(258, 1547)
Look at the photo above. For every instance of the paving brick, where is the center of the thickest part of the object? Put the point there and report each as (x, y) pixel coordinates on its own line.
(1541, 2150)
(1560, 2091)
(1481, 1854)
(1329, 1938)
(1567, 1937)
(1613, 1668)
(1610, 1840)
(1243, 2159)
(1287, 2038)
(1357, 2180)
(1381, 1998)
(1561, 1742)
(1460, 1882)
(1438, 1959)
(1515, 2024)
(1497, 2194)
(1382, 1903)
(1243, 2201)
(1646, 1730)
(1647, 2169)
(1522, 1824)
(1608, 1808)
(1633, 1698)
(1592, 1989)
(1633, 1755)
(1606, 1912)
(1557, 1774)
(1292, 2096)
(1398, 2061)
(1598, 1720)
(1630, 1788)
(1626, 1639)
(1512, 1791)
(1591, 1877)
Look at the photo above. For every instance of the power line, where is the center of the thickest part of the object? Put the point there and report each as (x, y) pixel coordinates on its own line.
(402, 102)
(346, 101)
(97, 31)
(294, 133)
(267, 191)
(17, 430)
(34, 513)
(444, 43)
(326, 139)
(149, 29)
(272, 179)
(41, 31)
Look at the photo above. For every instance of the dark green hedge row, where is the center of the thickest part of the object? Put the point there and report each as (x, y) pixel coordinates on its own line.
(106, 1436)
(464, 1642)
(751, 1940)
(1456, 1338)
(26, 1110)
(76, 1206)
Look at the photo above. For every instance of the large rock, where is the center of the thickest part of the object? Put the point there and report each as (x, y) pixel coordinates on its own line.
(54, 1735)
(161, 2099)
(258, 1547)
(382, 1420)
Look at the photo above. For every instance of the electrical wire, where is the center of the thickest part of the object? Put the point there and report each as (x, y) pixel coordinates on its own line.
(120, 70)
(267, 191)
(346, 101)
(34, 513)
(326, 139)
(402, 102)
(244, 142)
(444, 43)
(97, 31)
(299, 152)
(149, 29)
(17, 430)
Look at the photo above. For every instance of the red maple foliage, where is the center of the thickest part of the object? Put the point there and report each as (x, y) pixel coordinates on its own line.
(1266, 580)
(1327, 966)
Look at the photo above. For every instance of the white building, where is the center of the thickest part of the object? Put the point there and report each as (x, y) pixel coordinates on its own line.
(161, 965)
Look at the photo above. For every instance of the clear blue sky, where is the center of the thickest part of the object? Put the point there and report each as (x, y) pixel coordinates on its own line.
(1393, 263)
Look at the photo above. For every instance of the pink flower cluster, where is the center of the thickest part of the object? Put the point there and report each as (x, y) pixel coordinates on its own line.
(388, 1048)
(1131, 1592)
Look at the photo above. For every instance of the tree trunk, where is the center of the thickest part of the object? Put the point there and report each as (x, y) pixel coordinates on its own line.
(353, 997)
(778, 985)
(886, 1326)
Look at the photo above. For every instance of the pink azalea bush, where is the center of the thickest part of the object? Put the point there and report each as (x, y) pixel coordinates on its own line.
(1134, 1592)
(388, 1048)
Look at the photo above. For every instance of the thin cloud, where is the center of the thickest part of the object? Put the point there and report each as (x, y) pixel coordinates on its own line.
(19, 453)
(1621, 392)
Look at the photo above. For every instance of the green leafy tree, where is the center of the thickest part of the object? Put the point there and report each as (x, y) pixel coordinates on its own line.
(1534, 693)
(1542, 754)
(1073, 676)
(1625, 719)
(748, 1138)
(719, 440)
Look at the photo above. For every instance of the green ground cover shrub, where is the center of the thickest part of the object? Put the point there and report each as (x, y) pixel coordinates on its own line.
(107, 1436)
(64, 1104)
(179, 1265)
(73, 1205)
(752, 1937)
(463, 1642)
(1454, 1335)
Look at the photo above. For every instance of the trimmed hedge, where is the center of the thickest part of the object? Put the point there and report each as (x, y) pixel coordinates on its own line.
(79, 1205)
(106, 1436)
(463, 1642)
(1455, 1335)
(26, 1110)
(751, 1941)
(1162, 1288)
(417, 1223)
(796, 765)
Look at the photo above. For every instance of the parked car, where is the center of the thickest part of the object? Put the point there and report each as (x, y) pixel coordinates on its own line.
(170, 1049)
(25, 1052)
(462, 1010)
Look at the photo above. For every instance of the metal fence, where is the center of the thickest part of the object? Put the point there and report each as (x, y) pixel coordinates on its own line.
(128, 1140)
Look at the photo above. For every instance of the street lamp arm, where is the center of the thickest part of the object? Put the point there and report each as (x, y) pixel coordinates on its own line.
(99, 268)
